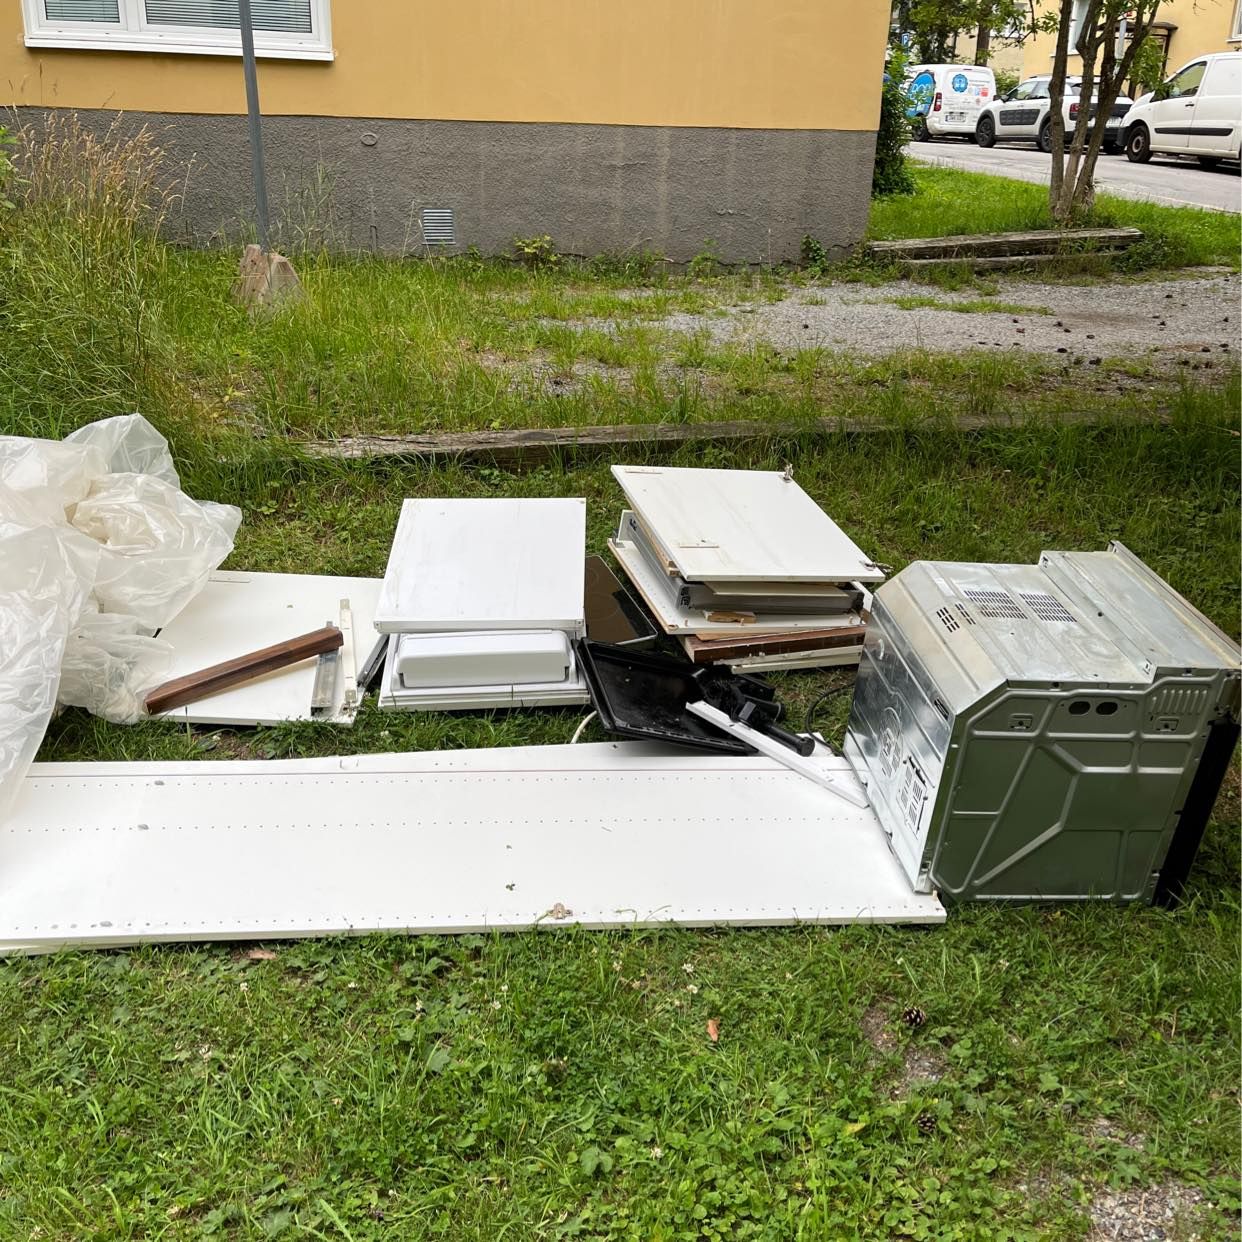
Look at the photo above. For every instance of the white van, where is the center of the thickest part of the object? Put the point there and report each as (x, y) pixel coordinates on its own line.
(1198, 111)
(947, 99)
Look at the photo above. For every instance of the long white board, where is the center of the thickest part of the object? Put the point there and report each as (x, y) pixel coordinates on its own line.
(599, 835)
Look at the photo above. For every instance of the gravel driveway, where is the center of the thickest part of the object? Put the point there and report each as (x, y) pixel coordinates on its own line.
(1173, 317)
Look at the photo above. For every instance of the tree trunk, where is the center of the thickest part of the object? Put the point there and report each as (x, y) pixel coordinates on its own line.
(1056, 93)
(983, 39)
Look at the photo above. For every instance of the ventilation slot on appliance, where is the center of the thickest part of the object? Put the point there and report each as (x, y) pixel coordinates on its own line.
(996, 604)
(1047, 607)
(438, 226)
(947, 619)
(1179, 701)
(965, 612)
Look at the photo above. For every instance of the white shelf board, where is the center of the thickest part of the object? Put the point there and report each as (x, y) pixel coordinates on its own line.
(615, 834)
(240, 612)
(742, 526)
(486, 565)
(675, 618)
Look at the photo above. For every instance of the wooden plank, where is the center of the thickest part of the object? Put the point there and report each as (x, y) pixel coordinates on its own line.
(198, 685)
(994, 262)
(708, 650)
(537, 446)
(1039, 241)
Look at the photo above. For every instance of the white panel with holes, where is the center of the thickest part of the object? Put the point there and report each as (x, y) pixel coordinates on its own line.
(600, 835)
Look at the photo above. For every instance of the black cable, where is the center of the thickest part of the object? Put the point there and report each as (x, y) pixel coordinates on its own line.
(830, 693)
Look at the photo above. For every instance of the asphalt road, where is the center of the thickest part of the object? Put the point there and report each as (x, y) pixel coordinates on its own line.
(1179, 182)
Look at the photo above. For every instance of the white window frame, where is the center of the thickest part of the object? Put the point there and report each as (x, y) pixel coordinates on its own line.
(134, 34)
(1235, 32)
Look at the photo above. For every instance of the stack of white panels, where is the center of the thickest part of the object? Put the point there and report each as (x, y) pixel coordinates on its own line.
(743, 567)
(481, 600)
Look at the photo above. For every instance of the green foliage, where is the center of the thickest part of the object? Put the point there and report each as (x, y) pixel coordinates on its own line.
(537, 252)
(1148, 68)
(890, 174)
(814, 257)
(7, 143)
(933, 27)
(1005, 81)
(706, 263)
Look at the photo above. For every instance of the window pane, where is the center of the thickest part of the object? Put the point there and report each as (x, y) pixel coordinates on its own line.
(82, 10)
(292, 16)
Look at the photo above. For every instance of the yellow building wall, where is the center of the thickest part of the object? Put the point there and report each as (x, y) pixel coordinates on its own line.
(747, 64)
(1202, 26)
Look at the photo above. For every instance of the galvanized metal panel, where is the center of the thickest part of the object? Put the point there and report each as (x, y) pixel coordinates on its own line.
(604, 835)
(1033, 731)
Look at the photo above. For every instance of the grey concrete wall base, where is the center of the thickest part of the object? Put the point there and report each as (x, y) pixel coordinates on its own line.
(750, 195)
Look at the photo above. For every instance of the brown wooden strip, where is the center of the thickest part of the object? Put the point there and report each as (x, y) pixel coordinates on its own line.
(1038, 241)
(195, 686)
(535, 446)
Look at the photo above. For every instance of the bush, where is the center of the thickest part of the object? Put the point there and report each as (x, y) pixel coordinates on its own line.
(1005, 81)
(891, 176)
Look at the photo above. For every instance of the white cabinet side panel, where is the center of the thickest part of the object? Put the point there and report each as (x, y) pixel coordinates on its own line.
(486, 565)
(742, 525)
(96, 854)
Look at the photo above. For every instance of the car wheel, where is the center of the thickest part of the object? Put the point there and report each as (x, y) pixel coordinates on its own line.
(921, 133)
(1111, 148)
(985, 132)
(1209, 161)
(1044, 141)
(1138, 145)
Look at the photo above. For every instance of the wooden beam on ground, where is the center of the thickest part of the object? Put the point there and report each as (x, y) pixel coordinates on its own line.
(538, 445)
(242, 668)
(1038, 241)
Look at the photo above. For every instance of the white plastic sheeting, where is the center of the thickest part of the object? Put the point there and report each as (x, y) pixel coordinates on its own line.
(99, 548)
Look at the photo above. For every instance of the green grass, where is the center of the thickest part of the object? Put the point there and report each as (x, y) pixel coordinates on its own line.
(969, 306)
(949, 202)
(562, 1084)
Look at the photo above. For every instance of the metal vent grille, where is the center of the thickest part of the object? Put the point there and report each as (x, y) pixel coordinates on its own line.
(948, 620)
(1047, 607)
(1180, 701)
(438, 226)
(996, 604)
(964, 611)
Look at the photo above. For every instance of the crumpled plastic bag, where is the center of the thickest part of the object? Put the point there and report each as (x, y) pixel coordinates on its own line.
(109, 665)
(99, 548)
(46, 575)
(159, 546)
(129, 444)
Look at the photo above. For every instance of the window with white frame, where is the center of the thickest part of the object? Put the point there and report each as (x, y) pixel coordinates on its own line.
(292, 29)
(1235, 34)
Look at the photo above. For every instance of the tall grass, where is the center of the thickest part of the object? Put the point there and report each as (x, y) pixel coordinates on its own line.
(82, 277)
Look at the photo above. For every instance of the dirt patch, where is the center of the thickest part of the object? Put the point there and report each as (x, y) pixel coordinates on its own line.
(1171, 1211)
(1102, 1131)
(921, 1063)
(1176, 317)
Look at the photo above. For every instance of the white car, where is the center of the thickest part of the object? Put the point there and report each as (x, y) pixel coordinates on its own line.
(1022, 115)
(1198, 111)
(946, 99)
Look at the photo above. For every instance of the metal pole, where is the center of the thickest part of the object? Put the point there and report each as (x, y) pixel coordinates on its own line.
(256, 131)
